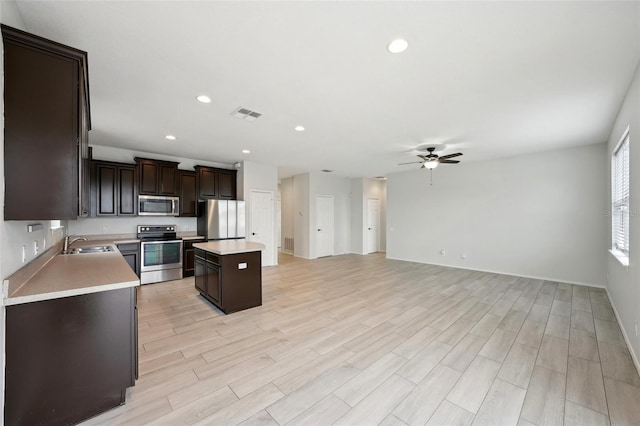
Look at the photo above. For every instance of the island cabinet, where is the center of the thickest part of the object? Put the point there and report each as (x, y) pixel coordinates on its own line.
(113, 189)
(71, 358)
(157, 177)
(217, 184)
(232, 282)
(46, 126)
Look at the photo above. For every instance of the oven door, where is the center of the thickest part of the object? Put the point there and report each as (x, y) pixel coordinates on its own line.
(159, 255)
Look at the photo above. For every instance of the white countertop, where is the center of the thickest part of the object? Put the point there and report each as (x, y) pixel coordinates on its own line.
(223, 247)
(70, 275)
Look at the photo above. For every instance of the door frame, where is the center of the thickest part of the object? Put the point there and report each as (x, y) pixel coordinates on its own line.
(366, 226)
(333, 223)
(274, 257)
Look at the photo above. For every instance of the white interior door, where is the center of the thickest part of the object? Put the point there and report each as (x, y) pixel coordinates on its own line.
(261, 225)
(324, 225)
(373, 225)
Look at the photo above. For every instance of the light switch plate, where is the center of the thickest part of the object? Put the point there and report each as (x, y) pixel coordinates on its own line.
(242, 265)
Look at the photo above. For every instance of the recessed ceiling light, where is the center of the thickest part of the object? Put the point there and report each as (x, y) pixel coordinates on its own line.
(398, 45)
(204, 99)
(170, 137)
(246, 151)
(299, 128)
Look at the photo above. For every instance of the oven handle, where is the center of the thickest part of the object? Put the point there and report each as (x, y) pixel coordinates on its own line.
(161, 242)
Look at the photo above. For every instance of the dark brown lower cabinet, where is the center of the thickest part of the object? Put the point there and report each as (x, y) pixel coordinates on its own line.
(69, 359)
(188, 257)
(131, 253)
(232, 282)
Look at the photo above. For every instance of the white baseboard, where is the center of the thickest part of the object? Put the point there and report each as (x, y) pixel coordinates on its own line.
(502, 273)
(634, 356)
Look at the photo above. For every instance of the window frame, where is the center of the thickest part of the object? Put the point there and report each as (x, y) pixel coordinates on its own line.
(620, 199)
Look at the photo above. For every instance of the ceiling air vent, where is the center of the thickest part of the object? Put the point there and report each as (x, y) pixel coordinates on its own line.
(246, 114)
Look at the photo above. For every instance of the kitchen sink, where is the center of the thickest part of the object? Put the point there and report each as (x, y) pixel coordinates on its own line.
(84, 250)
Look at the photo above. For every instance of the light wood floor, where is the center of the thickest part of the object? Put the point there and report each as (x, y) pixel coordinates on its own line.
(362, 340)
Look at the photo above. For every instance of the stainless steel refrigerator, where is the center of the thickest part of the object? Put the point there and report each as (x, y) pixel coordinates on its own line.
(221, 219)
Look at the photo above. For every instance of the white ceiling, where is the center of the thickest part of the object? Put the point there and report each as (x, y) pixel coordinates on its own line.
(491, 79)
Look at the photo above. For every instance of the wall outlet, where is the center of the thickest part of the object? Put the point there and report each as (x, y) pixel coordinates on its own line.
(35, 248)
(105, 229)
(463, 256)
(443, 252)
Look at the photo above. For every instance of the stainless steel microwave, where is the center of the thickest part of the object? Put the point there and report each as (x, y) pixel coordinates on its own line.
(154, 205)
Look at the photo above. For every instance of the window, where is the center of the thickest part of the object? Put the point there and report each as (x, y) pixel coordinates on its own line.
(620, 200)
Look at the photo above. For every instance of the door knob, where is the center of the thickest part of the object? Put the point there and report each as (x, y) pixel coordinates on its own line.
(369, 229)
(319, 229)
(253, 233)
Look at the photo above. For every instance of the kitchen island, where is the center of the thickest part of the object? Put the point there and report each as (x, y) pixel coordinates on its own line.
(228, 273)
(71, 336)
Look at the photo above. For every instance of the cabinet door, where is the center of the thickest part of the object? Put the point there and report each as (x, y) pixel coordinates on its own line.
(41, 131)
(148, 177)
(208, 182)
(188, 193)
(201, 275)
(105, 189)
(227, 184)
(213, 282)
(168, 180)
(132, 259)
(127, 191)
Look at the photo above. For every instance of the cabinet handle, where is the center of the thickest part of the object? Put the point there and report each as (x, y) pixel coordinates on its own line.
(319, 229)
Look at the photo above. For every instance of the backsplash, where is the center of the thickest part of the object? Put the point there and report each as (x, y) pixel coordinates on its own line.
(16, 236)
(127, 225)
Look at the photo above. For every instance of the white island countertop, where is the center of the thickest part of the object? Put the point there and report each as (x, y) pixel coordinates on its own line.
(223, 247)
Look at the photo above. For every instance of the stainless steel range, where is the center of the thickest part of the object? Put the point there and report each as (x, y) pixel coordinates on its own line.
(161, 253)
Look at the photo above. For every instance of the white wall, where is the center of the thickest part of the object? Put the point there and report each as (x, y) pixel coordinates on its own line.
(340, 189)
(287, 218)
(357, 215)
(301, 224)
(127, 225)
(540, 215)
(259, 177)
(624, 283)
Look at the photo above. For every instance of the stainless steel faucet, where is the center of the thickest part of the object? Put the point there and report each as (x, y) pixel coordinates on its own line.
(67, 243)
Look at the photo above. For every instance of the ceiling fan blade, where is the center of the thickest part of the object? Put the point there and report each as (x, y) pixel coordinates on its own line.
(444, 157)
(411, 162)
(448, 161)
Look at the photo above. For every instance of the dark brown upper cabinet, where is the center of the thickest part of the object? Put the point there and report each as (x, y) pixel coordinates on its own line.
(113, 189)
(47, 121)
(156, 177)
(188, 193)
(227, 184)
(216, 183)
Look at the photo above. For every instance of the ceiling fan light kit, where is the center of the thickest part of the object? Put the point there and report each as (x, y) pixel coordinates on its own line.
(430, 161)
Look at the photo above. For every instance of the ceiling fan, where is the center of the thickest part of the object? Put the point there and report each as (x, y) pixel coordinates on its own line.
(431, 160)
